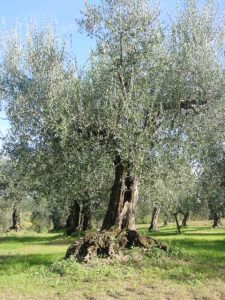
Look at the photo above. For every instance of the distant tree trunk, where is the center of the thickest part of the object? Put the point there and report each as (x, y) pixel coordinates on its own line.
(123, 199)
(57, 225)
(86, 217)
(16, 219)
(154, 222)
(185, 218)
(216, 220)
(72, 222)
(165, 222)
(177, 223)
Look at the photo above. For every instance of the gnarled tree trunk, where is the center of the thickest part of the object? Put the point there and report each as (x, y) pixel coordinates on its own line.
(110, 244)
(72, 222)
(117, 232)
(123, 199)
(127, 214)
(154, 222)
(16, 219)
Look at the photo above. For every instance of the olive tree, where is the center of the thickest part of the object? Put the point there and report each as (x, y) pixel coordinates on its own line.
(39, 79)
(13, 191)
(211, 179)
(141, 78)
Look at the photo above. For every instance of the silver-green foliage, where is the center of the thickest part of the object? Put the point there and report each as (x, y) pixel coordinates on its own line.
(67, 126)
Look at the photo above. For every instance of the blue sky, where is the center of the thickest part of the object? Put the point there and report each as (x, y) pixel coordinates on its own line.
(64, 13)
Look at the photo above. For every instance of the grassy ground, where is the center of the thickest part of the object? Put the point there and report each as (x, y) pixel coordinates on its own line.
(31, 267)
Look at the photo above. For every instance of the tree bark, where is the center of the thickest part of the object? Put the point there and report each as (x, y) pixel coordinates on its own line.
(116, 196)
(123, 199)
(72, 222)
(177, 223)
(86, 217)
(185, 218)
(154, 222)
(216, 220)
(16, 219)
(127, 214)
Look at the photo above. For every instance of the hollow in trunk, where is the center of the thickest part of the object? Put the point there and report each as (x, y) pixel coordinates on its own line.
(123, 199)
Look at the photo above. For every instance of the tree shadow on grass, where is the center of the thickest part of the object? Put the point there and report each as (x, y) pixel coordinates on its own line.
(37, 240)
(172, 231)
(28, 239)
(15, 264)
(202, 252)
(198, 260)
(206, 233)
(202, 247)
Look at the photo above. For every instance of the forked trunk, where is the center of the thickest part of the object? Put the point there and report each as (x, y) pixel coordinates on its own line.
(72, 222)
(123, 199)
(185, 218)
(154, 222)
(16, 219)
(177, 223)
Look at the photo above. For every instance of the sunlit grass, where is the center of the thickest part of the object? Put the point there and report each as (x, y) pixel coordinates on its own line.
(32, 267)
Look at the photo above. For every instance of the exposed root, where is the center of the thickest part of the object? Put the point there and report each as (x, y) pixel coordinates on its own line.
(15, 228)
(110, 244)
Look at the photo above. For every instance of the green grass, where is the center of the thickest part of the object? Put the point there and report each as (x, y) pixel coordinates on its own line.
(31, 267)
